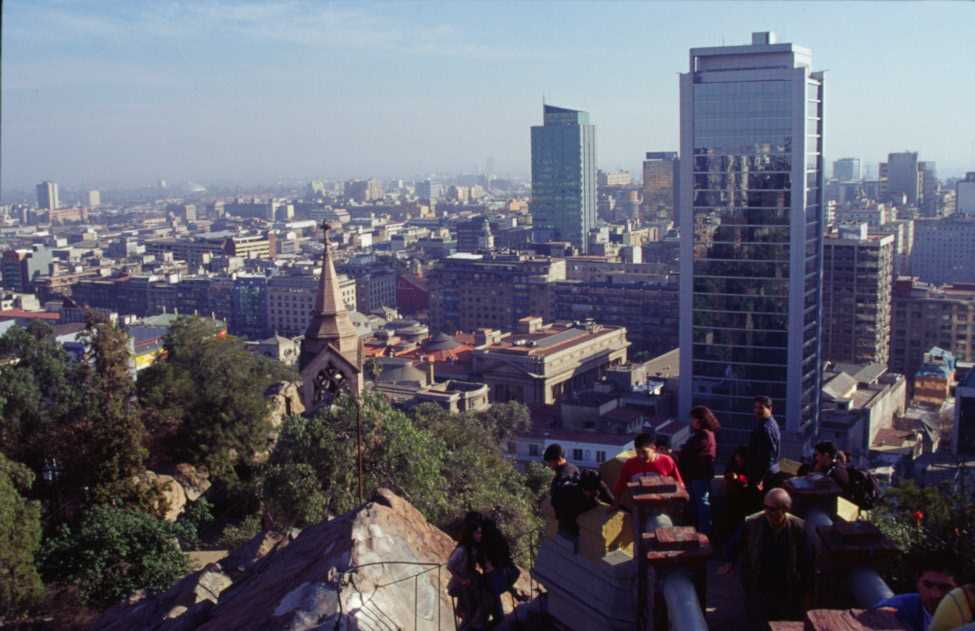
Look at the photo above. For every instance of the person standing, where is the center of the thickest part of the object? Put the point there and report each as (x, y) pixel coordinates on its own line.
(466, 582)
(774, 562)
(696, 464)
(646, 462)
(500, 572)
(762, 464)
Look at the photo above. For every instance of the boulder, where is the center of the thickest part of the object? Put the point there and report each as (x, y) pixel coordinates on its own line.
(182, 606)
(173, 494)
(379, 566)
(194, 480)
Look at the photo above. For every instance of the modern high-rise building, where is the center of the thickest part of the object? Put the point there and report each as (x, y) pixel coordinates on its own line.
(858, 272)
(902, 177)
(563, 202)
(847, 169)
(930, 201)
(47, 196)
(965, 195)
(474, 235)
(660, 173)
(751, 225)
(94, 199)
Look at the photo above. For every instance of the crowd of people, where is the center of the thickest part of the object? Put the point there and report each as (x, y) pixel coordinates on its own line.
(763, 541)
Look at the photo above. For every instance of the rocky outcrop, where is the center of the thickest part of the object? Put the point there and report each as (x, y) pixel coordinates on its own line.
(186, 484)
(374, 567)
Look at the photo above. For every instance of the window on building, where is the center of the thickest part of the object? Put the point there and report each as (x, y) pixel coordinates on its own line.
(577, 455)
(600, 456)
(533, 450)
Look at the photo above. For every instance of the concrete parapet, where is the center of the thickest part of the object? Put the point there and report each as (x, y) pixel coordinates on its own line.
(583, 594)
(603, 530)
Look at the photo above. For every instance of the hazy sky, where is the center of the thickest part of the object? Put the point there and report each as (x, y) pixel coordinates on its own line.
(110, 93)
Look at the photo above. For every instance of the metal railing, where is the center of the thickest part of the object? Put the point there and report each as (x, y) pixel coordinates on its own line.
(348, 574)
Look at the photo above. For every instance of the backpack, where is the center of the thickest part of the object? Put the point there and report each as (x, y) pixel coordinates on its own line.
(864, 491)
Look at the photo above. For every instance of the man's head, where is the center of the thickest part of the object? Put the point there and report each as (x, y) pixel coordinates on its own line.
(776, 505)
(554, 456)
(824, 454)
(935, 579)
(763, 408)
(644, 446)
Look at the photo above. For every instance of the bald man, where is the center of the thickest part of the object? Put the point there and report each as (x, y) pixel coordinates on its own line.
(774, 562)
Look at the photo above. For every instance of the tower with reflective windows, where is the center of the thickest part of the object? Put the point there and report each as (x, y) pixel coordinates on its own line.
(751, 225)
(563, 202)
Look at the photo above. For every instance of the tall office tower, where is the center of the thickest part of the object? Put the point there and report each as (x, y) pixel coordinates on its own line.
(47, 196)
(847, 169)
(474, 235)
(751, 230)
(660, 173)
(904, 177)
(965, 195)
(563, 202)
(858, 272)
(930, 201)
(94, 199)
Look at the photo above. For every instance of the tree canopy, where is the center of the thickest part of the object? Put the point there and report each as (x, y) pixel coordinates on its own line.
(20, 539)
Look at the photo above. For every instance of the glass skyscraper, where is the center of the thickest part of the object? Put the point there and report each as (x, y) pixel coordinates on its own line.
(563, 202)
(751, 225)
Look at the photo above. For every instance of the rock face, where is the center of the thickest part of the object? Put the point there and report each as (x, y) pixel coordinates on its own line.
(186, 484)
(372, 568)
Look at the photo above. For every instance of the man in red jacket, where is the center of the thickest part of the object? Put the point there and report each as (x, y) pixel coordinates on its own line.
(646, 462)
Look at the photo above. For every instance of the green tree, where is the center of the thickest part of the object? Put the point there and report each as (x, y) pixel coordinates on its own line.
(207, 396)
(504, 420)
(396, 454)
(293, 496)
(39, 387)
(20, 539)
(113, 432)
(112, 553)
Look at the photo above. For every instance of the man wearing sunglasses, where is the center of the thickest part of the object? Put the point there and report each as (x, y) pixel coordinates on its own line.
(935, 579)
(774, 562)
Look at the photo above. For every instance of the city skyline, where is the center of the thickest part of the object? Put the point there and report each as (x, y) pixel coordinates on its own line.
(145, 92)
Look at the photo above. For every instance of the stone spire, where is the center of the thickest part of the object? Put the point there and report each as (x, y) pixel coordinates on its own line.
(330, 323)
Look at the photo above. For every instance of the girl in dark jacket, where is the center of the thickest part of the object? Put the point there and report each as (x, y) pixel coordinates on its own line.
(696, 463)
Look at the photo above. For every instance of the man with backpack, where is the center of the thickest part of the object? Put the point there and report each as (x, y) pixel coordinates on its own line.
(573, 492)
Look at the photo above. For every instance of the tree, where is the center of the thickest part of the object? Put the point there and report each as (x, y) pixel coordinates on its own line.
(396, 454)
(504, 420)
(207, 396)
(20, 539)
(39, 388)
(293, 496)
(114, 433)
(113, 553)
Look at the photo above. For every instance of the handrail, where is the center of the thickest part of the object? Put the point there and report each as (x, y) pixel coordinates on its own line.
(430, 567)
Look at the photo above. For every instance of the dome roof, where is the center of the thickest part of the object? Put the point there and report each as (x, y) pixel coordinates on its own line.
(441, 342)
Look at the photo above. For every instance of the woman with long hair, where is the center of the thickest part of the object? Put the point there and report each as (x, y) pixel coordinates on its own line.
(696, 463)
(466, 582)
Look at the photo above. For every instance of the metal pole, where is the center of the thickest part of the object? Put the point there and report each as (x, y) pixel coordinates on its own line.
(358, 445)
(416, 598)
(868, 588)
(439, 602)
(644, 593)
(683, 607)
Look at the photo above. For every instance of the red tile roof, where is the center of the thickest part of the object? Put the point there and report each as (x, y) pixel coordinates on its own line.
(20, 314)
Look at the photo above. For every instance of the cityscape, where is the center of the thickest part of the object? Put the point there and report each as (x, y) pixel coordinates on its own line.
(260, 399)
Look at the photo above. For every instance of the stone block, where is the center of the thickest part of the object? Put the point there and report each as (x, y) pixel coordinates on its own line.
(583, 594)
(602, 530)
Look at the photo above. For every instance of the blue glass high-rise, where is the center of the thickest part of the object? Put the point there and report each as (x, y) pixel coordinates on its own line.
(563, 202)
(751, 224)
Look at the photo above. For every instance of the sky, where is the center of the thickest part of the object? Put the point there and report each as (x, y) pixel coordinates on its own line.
(99, 94)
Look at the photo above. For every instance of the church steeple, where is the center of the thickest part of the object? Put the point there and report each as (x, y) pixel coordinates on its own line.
(330, 324)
